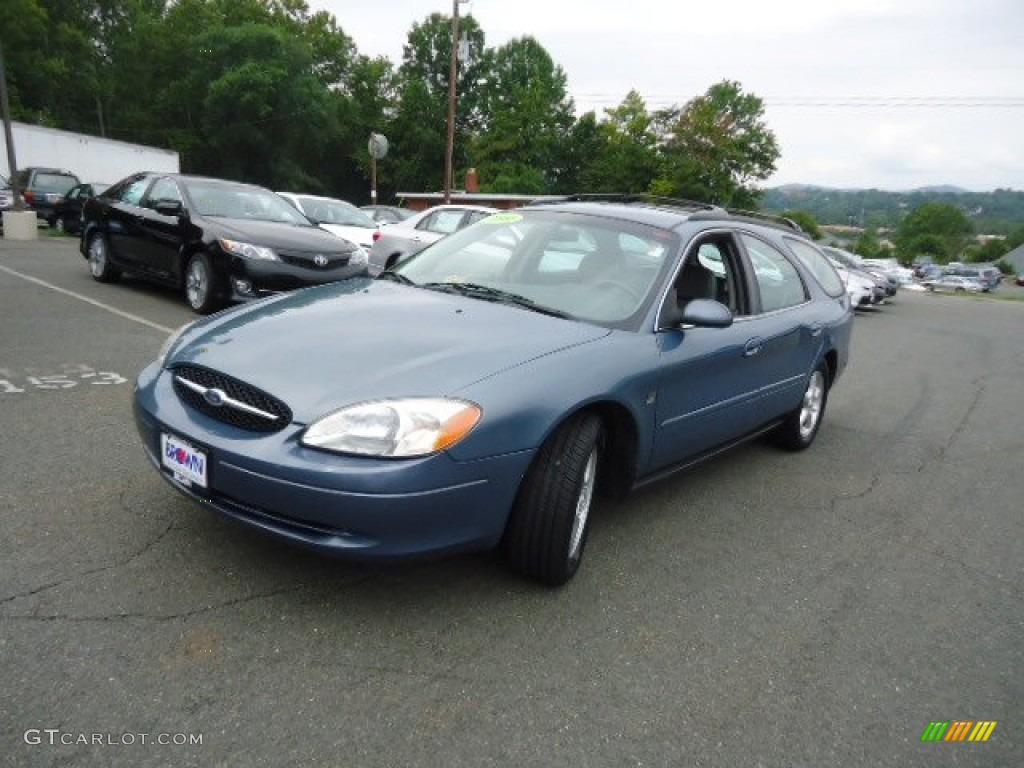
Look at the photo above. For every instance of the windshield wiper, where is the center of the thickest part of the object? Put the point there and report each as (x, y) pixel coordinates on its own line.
(389, 274)
(486, 293)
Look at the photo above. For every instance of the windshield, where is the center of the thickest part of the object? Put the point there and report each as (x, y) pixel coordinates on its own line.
(328, 211)
(590, 268)
(232, 201)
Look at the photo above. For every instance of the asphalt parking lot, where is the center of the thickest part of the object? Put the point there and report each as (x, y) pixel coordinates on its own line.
(765, 609)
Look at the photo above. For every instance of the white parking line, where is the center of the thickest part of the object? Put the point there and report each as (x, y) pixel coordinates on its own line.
(87, 300)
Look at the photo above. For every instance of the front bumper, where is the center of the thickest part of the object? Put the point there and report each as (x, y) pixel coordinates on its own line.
(353, 507)
(252, 279)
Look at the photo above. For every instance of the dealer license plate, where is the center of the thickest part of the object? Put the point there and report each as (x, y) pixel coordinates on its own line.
(186, 462)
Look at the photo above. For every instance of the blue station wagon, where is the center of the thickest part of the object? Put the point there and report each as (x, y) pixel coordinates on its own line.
(482, 393)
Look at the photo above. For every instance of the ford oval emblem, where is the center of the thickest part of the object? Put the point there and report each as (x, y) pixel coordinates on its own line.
(320, 260)
(214, 397)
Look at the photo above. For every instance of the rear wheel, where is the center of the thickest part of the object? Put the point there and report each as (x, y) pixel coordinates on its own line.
(200, 285)
(99, 260)
(547, 530)
(800, 427)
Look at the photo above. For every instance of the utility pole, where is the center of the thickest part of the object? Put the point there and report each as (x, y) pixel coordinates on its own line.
(452, 77)
(19, 204)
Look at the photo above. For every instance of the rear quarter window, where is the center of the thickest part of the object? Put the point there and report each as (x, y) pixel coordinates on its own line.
(818, 265)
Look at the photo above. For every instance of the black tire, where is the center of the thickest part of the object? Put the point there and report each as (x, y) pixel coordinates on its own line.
(799, 429)
(548, 527)
(100, 266)
(202, 292)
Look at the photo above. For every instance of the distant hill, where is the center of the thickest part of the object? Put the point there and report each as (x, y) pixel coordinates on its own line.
(1000, 212)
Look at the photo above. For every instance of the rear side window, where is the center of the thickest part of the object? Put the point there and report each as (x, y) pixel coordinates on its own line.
(818, 265)
(444, 221)
(778, 281)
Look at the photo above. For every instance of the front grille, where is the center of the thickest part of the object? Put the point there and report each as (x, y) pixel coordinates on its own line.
(241, 404)
(305, 260)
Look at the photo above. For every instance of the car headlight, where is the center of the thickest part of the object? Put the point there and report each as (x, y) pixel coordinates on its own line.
(401, 428)
(169, 342)
(247, 250)
(359, 257)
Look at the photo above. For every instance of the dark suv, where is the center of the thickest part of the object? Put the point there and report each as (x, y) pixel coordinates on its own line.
(43, 188)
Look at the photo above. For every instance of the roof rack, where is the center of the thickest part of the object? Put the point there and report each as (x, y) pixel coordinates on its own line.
(764, 218)
(631, 197)
(701, 210)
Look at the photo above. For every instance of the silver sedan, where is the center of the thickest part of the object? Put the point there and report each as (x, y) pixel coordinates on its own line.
(397, 242)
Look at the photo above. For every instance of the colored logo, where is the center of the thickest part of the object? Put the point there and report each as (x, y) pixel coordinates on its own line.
(959, 730)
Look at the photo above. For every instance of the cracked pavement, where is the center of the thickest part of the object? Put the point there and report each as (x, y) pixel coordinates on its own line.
(765, 609)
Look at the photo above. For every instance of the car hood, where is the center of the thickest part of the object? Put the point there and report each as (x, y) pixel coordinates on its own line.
(279, 235)
(322, 348)
(361, 236)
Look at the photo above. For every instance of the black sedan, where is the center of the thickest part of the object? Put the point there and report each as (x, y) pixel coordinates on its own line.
(219, 241)
(67, 213)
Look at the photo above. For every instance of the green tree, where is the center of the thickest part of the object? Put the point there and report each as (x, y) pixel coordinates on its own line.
(51, 62)
(718, 147)
(420, 128)
(575, 156)
(529, 114)
(806, 221)
(627, 159)
(936, 229)
(867, 244)
(260, 106)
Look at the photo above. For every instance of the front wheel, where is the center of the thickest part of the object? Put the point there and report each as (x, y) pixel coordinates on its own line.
(550, 519)
(200, 285)
(800, 427)
(99, 260)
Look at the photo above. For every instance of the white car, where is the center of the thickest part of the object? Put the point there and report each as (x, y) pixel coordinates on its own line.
(954, 284)
(859, 288)
(396, 242)
(337, 217)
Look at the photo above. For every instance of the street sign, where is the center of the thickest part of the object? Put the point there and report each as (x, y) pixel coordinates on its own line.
(378, 146)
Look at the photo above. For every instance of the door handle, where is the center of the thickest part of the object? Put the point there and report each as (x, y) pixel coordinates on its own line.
(816, 329)
(752, 347)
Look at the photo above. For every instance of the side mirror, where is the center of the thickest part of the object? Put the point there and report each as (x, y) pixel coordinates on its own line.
(706, 313)
(169, 207)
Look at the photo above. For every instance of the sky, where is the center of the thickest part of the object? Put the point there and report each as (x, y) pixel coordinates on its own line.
(884, 94)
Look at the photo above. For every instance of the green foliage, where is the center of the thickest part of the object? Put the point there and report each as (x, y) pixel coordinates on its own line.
(719, 147)
(1000, 212)
(806, 222)
(528, 114)
(937, 229)
(625, 156)
(988, 251)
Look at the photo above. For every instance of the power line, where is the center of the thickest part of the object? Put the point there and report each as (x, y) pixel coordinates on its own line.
(856, 102)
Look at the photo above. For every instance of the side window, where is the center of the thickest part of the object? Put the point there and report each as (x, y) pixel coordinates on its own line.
(711, 271)
(163, 190)
(778, 281)
(444, 221)
(818, 265)
(473, 217)
(132, 192)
